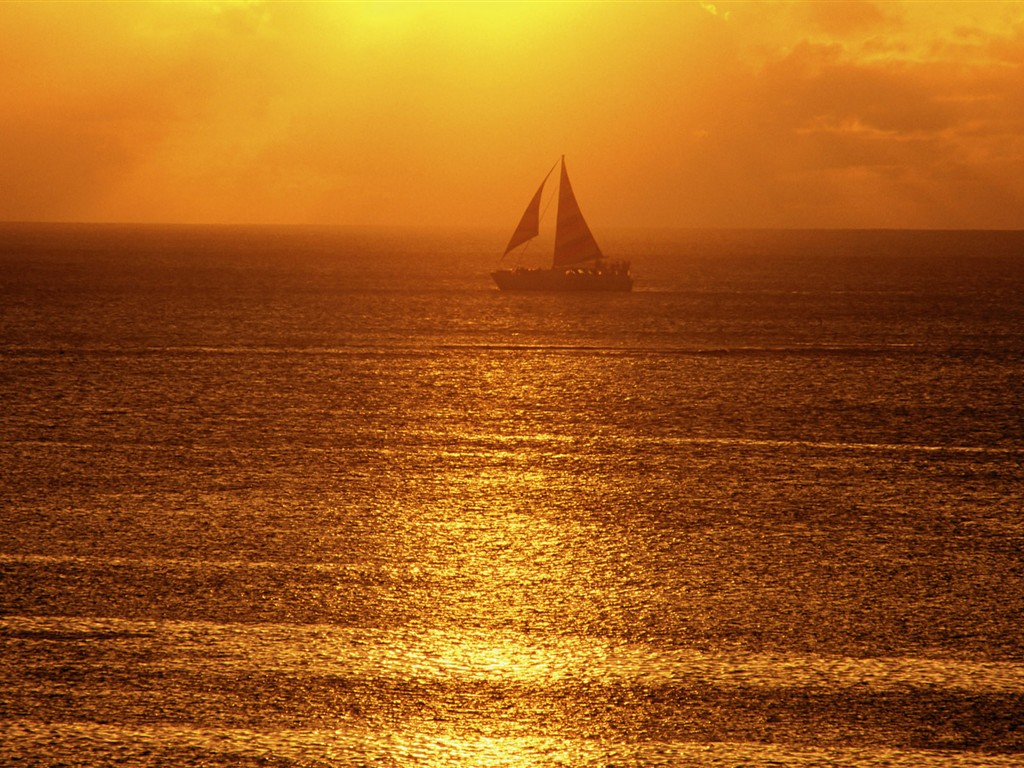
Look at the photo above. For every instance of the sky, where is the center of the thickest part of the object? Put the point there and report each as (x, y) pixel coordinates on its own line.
(836, 113)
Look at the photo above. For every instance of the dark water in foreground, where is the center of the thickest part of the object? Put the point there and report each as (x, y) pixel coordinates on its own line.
(302, 498)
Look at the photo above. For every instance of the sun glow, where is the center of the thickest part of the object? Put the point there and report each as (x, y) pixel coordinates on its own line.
(437, 113)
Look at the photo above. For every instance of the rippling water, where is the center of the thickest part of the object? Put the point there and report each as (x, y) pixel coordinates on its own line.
(326, 497)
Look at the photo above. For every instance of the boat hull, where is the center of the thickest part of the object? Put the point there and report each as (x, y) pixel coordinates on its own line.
(561, 280)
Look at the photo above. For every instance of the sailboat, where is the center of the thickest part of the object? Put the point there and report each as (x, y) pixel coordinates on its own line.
(577, 264)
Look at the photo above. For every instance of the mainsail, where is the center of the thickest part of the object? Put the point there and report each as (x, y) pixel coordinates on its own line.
(573, 241)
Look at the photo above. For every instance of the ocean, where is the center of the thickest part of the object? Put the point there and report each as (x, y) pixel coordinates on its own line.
(325, 497)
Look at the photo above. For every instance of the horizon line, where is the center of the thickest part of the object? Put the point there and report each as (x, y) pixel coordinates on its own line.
(409, 226)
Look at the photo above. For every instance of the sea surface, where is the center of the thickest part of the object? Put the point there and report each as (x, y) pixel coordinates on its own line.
(325, 497)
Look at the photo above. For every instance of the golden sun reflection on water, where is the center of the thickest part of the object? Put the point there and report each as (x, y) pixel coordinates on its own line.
(492, 550)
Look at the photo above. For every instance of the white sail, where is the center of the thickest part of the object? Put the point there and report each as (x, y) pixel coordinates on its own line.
(574, 242)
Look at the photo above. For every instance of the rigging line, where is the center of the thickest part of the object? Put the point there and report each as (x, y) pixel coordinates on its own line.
(540, 219)
(526, 248)
(551, 197)
(543, 213)
(544, 210)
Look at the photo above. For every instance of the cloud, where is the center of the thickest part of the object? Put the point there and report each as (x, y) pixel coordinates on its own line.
(831, 128)
(713, 10)
(847, 17)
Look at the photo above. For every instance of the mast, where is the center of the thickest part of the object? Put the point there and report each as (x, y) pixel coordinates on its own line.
(574, 243)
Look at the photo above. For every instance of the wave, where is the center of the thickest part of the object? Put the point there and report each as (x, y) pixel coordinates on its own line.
(479, 656)
(433, 346)
(425, 743)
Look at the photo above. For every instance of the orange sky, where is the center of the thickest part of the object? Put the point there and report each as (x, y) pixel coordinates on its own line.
(805, 114)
